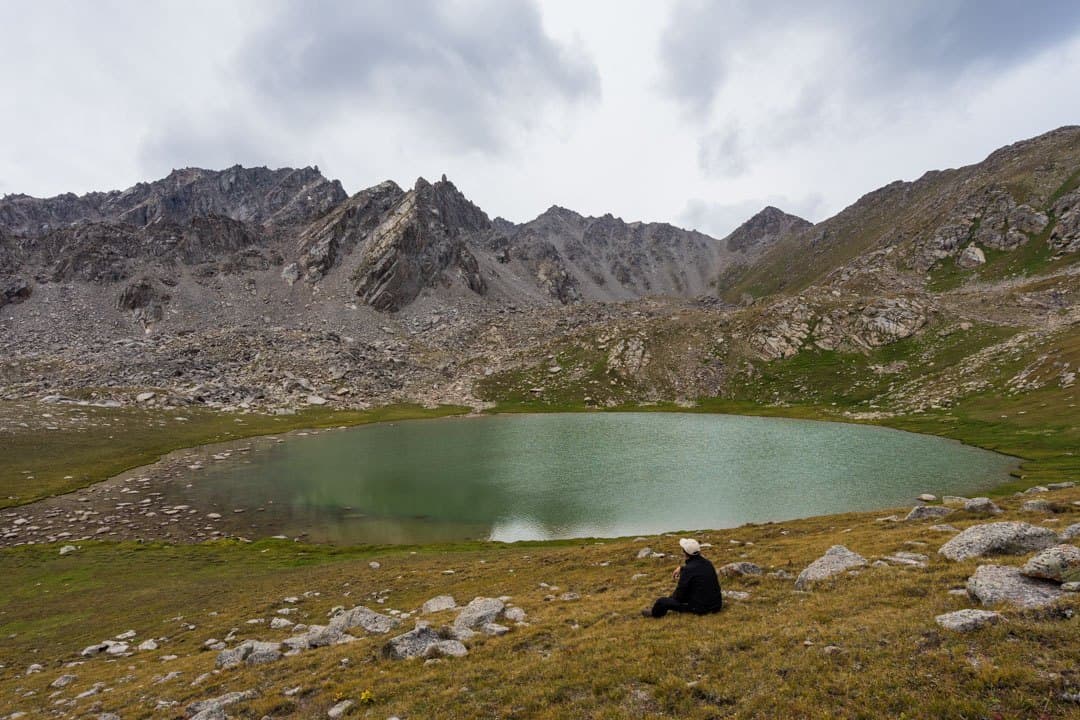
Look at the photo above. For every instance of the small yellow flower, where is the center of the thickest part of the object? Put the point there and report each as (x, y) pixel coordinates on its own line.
(367, 697)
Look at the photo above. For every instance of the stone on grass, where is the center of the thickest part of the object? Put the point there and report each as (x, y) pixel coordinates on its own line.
(148, 645)
(836, 559)
(514, 614)
(993, 584)
(1001, 538)
(944, 528)
(1071, 533)
(644, 553)
(252, 652)
(217, 704)
(739, 569)
(735, 595)
(438, 604)
(362, 617)
(422, 641)
(1040, 506)
(339, 710)
(926, 512)
(68, 549)
(1061, 485)
(494, 629)
(280, 623)
(909, 559)
(981, 505)
(480, 612)
(1060, 563)
(63, 681)
(953, 500)
(968, 620)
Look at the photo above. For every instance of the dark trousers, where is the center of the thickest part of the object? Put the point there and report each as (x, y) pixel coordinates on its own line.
(668, 604)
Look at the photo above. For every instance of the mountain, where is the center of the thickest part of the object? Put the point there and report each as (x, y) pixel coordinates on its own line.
(764, 228)
(384, 246)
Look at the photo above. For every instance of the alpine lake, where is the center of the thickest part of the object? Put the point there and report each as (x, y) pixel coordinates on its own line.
(547, 476)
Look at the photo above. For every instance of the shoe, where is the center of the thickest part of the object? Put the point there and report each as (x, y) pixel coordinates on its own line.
(647, 612)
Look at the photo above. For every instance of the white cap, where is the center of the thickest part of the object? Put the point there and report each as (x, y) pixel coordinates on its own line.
(690, 546)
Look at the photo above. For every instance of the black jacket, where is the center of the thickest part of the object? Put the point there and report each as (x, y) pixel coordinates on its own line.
(698, 586)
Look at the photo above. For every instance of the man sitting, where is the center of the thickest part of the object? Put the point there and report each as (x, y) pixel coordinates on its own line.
(698, 590)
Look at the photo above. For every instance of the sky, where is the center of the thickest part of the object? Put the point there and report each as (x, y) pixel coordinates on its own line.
(690, 112)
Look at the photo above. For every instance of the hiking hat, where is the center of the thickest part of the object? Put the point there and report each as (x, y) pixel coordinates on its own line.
(690, 546)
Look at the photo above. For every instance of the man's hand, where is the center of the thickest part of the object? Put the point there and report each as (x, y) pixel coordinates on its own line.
(675, 573)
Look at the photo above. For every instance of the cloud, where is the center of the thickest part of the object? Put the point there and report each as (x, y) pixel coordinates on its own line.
(469, 74)
(761, 77)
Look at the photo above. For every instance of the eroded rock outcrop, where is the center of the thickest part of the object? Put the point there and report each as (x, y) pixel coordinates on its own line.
(420, 243)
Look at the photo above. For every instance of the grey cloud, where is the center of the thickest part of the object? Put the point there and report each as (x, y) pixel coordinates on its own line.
(465, 71)
(888, 44)
(722, 153)
(877, 61)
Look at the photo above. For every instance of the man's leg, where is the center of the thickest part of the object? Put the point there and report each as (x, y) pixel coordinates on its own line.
(665, 605)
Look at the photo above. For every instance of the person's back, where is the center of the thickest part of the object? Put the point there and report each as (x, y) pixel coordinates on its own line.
(698, 590)
(698, 586)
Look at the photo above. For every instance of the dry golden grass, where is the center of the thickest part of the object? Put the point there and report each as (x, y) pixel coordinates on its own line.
(593, 658)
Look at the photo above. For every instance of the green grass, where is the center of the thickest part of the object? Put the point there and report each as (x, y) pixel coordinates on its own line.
(41, 463)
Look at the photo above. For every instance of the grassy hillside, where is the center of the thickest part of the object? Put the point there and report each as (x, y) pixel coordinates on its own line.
(858, 646)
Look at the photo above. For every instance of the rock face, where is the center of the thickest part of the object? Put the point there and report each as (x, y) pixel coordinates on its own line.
(1060, 563)
(421, 242)
(836, 560)
(763, 229)
(993, 584)
(968, 620)
(323, 244)
(1003, 538)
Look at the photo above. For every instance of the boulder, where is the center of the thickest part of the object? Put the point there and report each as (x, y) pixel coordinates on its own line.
(362, 617)
(993, 584)
(836, 559)
(927, 512)
(968, 620)
(1071, 533)
(215, 706)
(1040, 506)
(981, 505)
(971, 256)
(422, 641)
(438, 604)
(739, 569)
(480, 612)
(1001, 538)
(1060, 563)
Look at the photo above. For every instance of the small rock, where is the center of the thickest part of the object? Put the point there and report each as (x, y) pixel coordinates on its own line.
(374, 565)
(68, 549)
(735, 595)
(644, 552)
(148, 645)
(480, 612)
(514, 614)
(438, 603)
(494, 629)
(981, 505)
(927, 497)
(63, 681)
(924, 512)
(1071, 533)
(739, 569)
(569, 596)
(280, 623)
(968, 620)
(836, 560)
(339, 710)
(1039, 506)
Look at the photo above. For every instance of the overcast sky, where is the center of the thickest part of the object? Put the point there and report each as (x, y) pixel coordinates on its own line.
(691, 112)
